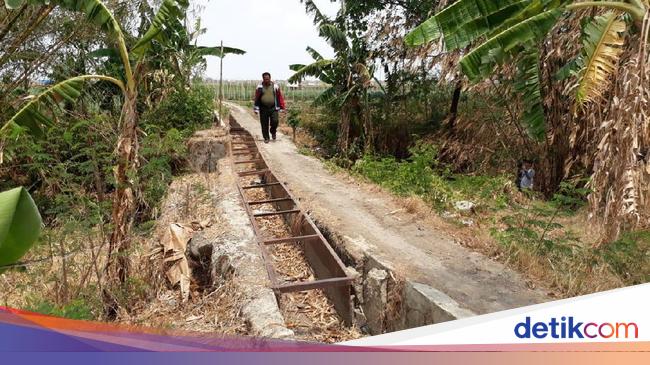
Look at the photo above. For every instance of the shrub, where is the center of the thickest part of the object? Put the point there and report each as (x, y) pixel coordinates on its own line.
(571, 196)
(75, 309)
(294, 120)
(629, 256)
(418, 175)
(68, 171)
(163, 150)
(183, 109)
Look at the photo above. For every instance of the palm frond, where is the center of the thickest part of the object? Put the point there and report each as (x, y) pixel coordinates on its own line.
(424, 33)
(567, 70)
(343, 98)
(481, 61)
(96, 12)
(335, 37)
(315, 69)
(528, 86)
(314, 54)
(311, 8)
(328, 76)
(166, 19)
(104, 52)
(325, 97)
(296, 66)
(534, 7)
(216, 51)
(466, 20)
(601, 52)
(31, 115)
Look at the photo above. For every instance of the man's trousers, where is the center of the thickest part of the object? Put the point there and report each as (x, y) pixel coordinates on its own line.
(268, 115)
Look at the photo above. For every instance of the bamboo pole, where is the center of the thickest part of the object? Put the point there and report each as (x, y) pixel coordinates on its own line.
(221, 84)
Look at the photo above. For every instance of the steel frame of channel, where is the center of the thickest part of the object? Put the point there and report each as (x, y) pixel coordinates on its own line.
(328, 268)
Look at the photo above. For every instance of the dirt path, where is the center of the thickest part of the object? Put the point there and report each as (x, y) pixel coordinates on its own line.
(403, 242)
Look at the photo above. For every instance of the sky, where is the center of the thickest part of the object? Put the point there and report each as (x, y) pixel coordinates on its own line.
(274, 34)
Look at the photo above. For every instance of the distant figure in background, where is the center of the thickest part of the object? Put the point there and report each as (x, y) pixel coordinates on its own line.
(268, 102)
(525, 175)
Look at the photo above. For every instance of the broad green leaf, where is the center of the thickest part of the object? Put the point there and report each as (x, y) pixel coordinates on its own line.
(567, 70)
(466, 20)
(335, 37)
(424, 33)
(535, 7)
(602, 49)
(20, 225)
(13, 4)
(345, 97)
(311, 7)
(315, 69)
(96, 12)
(216, 51)
(529, 89)
(165, 19)
(296, 67)
(325, 97)
(31, 115)
(480, 62)
(314, 54)
(104, 52)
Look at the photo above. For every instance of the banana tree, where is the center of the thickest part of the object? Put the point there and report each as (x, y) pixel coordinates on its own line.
(348, 74)
(500, 31)
(34, 117)
(179, 51)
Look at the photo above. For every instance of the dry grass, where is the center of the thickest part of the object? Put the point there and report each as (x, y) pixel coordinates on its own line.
(303, 137)
(572, 277)
(73, 259)
(216, 311)
(72, 286)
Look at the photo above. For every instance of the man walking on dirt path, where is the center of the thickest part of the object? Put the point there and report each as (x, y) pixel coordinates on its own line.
(268, 102)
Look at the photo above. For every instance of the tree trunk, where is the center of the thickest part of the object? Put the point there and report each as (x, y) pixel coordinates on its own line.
(366, 118)
(369, 129)
(123, 200)
(453, 111)
(344, 129)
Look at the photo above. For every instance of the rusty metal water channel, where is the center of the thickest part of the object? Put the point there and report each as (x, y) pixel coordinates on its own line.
(328, 268)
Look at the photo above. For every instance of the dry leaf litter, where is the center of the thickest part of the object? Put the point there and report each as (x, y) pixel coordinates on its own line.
(310, 314)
